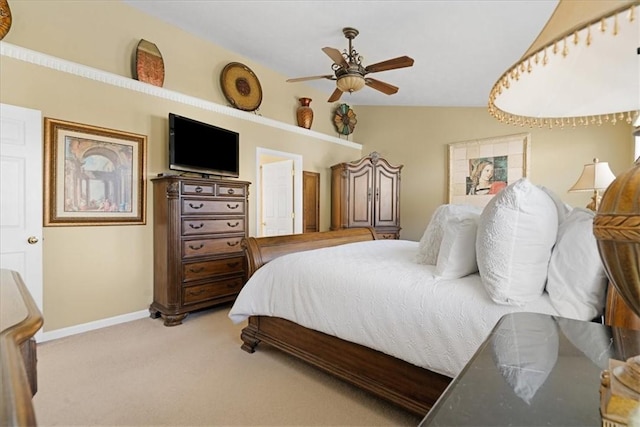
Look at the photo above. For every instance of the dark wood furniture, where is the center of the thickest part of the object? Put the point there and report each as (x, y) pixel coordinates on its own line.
(20, 319)
(366, 193)
(310, 202)
(534, 370)
(198, 260)
(413, 388)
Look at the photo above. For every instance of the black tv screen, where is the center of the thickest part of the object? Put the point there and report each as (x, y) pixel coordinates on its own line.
(202, 148)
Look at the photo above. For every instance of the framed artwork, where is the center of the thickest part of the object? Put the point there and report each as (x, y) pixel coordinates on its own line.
(478, 169)
(93, 175)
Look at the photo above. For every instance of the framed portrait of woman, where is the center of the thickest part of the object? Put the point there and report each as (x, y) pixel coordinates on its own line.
(479, 169)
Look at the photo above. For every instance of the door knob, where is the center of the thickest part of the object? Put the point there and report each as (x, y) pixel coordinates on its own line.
(32, 240)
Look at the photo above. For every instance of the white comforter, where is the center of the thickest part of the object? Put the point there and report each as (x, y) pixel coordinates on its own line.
(375, 294)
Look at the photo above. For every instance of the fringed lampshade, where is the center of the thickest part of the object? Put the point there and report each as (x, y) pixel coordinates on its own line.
(583, 69)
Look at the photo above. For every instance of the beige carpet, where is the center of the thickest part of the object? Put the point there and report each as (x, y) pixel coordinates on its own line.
(143, 373)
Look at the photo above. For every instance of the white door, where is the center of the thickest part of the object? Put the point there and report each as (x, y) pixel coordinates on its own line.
(21, 195)
(277, 198)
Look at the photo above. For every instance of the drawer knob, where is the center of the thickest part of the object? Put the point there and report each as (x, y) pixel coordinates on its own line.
(233, 264)
(195, 227)
(233, 225)
(232, 285)
(230, 191)
(233, 207)
(233, 243)
(196, 207)
(198, 189)
(196, 293)
(196, 270)
(196, 248)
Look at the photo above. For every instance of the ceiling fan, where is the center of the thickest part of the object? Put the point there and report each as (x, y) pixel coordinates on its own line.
(349, 73)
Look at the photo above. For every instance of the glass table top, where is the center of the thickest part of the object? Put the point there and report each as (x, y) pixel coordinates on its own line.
(534, 370)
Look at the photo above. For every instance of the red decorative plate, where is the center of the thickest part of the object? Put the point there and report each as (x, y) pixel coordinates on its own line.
(149, 66)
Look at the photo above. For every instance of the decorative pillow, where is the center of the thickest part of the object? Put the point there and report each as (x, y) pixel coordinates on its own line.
(457, 255)
(563, 208)
(577, 283)
(429, 245)
(516, 233)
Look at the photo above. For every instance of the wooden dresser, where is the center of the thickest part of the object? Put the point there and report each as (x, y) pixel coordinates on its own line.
(198, 260)
(20, 319)
(366, 193)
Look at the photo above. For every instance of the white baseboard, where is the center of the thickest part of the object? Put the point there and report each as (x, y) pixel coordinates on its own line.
(86, 327)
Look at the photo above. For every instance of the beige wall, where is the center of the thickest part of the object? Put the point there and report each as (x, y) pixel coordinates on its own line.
(92, 273)
(417, 137)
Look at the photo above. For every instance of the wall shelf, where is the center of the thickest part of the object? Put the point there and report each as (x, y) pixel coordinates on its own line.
(62, 65)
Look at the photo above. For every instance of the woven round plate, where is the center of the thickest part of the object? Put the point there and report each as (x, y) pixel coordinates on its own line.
(241, 87)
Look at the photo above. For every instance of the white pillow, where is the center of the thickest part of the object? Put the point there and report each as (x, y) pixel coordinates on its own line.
(577, 283)
(457, 255)
(516, 232)
(429, 245)
(563, 208)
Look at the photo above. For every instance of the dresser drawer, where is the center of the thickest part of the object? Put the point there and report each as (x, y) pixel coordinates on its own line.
(206, 226)
(205, 269)
(217, 289)
(200, 206)
(230, 190)
(203, 247)
(204, 189)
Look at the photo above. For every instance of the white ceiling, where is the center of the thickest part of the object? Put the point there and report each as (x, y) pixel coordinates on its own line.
(460, 47)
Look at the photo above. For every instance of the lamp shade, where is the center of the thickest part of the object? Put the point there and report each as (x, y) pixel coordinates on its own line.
(583, 69)
(595, 176)
(350, 83)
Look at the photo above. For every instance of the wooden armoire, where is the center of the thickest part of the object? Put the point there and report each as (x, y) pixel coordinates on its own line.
(366, 193)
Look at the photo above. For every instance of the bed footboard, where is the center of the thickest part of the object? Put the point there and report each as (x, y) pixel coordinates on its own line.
(261, 250)
(411, 387)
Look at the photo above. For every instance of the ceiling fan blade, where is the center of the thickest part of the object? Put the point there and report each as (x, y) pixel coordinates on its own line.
(390, 64)
(381, 86)
(335, 95)
(336, 56)
(304, 79)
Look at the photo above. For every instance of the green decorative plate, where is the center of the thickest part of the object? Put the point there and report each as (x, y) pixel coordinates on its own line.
(345, 119)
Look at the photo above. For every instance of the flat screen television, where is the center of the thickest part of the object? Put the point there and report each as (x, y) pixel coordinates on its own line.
(202, 148)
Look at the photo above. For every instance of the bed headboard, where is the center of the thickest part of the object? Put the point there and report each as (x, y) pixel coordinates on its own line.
(261, 250)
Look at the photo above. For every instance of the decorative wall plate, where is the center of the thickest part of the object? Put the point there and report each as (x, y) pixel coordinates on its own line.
(345, 119)
(5, 18)
(149, 66)
(241, 87)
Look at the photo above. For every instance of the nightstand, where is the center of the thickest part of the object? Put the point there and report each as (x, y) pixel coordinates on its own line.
(534, 370)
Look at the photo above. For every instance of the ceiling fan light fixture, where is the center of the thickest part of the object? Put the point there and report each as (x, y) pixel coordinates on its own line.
(350, 83)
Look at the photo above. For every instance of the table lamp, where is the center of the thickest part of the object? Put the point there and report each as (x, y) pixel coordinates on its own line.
(595, 177)
(584, 70)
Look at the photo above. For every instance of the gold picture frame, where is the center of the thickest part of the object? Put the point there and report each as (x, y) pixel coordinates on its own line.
(93, 175)
(478, 169)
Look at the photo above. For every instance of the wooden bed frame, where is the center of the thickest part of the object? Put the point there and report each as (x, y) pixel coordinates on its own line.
(411, 387)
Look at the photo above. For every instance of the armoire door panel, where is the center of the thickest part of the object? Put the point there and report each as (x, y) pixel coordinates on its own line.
(386, 198)
(360, 208)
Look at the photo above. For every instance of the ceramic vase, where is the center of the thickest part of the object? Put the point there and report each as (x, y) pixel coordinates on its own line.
(5, 18)
(304, 113)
